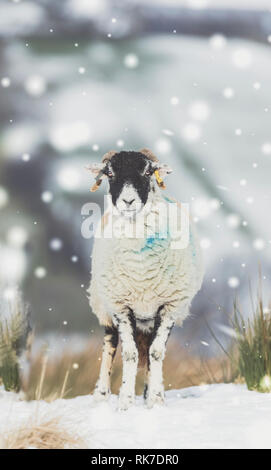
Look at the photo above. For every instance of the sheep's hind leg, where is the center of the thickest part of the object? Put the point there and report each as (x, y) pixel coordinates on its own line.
(102, 389)
(162, 328)
(126, 326)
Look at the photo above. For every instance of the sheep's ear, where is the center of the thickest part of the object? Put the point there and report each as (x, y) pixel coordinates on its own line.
(108, 155)
(97, 169)
(164, 170)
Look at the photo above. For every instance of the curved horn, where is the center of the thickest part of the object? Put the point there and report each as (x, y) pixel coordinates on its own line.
(108, 155)
(149, 154)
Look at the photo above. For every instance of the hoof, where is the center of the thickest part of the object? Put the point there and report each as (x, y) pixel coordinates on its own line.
(101, 394)
(155, 398)
(125, 401)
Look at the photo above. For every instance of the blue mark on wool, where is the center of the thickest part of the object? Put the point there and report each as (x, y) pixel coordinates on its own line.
(155, 239)
(167, 199)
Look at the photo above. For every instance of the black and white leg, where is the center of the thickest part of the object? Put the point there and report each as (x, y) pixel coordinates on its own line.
(102, 389)
(126, 326)
(163, 325)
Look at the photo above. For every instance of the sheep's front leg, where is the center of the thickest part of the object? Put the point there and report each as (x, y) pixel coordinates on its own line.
(126, 327)
(102, 388)
(162, 328)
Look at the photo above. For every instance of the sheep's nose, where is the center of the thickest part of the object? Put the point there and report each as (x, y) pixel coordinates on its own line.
(128, 203)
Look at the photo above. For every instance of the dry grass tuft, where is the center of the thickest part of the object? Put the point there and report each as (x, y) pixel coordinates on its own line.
(254, 347)
(75, 373)
(48, 435)
(15, 335)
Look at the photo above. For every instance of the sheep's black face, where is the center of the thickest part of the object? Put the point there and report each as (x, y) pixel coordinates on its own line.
(129, 175)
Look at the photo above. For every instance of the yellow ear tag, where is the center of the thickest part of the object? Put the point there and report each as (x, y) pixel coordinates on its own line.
(159, 180)
(98, 182)
(96, 186)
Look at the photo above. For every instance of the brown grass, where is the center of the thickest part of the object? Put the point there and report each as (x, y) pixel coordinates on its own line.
(48, 435)
(75, 373)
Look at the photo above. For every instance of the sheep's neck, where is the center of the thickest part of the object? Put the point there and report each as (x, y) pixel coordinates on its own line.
(150, 224)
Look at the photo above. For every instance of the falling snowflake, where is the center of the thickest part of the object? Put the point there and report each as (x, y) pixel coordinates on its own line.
(40, 272)
(25, 157)
(205, 243)
(214, 204)
(256, 85)
(191, 132)
(259, 244)
(68, 136)
(228, 92)
(35, 85)
(163, 145)
(5, 82)
(174, 100)
(3, 197)
(131, 61)
(233, 220)
(199, 110)
(47, 197)
(10, 293)
(168, 132)
(17, 236)
(203, 207)
(120, 143)
(242, 58)
(250, 200)
(266, 148)
(86, 8)
(217, 41)
(56, 244)
(69, 178)
(233, 282)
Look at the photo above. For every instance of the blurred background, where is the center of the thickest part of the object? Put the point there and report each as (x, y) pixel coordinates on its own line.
(189, 79)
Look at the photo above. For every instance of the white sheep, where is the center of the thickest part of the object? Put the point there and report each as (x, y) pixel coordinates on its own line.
(141, 285)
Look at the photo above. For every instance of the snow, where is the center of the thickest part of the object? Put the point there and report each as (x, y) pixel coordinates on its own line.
(207, 416)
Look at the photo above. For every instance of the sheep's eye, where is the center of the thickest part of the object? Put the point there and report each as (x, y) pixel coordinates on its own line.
(148, 173)
(110, 174)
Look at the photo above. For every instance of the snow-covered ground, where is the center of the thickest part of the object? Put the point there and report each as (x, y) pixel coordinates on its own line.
(208, 416)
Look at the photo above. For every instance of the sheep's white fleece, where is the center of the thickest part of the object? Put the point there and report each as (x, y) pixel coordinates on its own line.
(144, 274)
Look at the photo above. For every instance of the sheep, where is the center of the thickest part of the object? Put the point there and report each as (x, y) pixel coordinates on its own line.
(140, 286)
